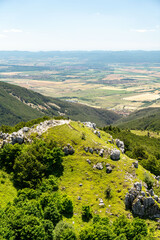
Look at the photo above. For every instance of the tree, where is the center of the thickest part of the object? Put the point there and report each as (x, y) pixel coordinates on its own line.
(64, 231)
(86, 213)
(52, 213)
(8, 155)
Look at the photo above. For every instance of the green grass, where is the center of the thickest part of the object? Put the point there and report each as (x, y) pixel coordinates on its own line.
(7, 190)
(94, 182)
(77, 170)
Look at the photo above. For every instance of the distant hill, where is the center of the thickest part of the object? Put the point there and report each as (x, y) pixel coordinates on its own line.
(145, 119)
(90, 57)
(20, 104)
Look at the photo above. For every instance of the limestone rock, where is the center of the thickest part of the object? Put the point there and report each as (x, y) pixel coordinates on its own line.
(135, 164)
(91, 150)
(101, 204)
(68, 150)
(89, 161)
(108, 170)
(157, 178)
(90, 125)
(115, 154)
(138, 186)
(99, 166)
(140, 205)
(86, 149)
(151, 192)
(101, 152)
(120, 145)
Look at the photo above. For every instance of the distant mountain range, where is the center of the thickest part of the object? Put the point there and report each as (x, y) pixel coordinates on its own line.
(20, 104)
(90, 57)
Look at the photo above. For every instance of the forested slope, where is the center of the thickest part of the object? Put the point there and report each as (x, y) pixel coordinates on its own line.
(20, 104)
(145, 119)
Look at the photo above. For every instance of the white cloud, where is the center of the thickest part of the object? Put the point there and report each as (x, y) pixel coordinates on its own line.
(13, 30)
(143, 30)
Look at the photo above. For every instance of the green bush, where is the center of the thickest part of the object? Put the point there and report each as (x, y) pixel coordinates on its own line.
(64, 231)
(108, 192)
(8, 155)
(36, 161)
(67, 206)
(148, 180)
(52, 213)
(86, 213)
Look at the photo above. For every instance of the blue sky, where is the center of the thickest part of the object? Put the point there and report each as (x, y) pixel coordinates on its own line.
(79, 25)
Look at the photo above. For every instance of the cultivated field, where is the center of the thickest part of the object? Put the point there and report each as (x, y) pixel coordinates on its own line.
(120, 87)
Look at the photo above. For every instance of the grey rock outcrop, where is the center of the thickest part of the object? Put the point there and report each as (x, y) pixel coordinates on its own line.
(68, 150)
(99, 166)
(141, 204)
(115, 154)
(101, 152)
(23, 134)
(157, 178)
(151, 192)
(91, 150)
(86, 149)
(120, 145)
(135, 164)
(90, 125)
(108, 169)
(138, 186)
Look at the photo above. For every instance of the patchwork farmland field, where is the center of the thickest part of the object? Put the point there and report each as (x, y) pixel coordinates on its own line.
(120, 86)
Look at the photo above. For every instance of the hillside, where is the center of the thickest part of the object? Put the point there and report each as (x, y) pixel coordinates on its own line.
(88, 183)
(144, 119)
(20, 104)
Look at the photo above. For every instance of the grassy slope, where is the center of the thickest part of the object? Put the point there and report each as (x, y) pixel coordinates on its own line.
(145, 119)
(7, 190)
(77, 170)
(14, 111)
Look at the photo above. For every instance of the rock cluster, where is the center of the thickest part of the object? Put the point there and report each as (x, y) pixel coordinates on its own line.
(115, 154)
(90, 125)
(44, 126)
(68, 150)
(120, 145)
(142, 204)
(99, 166)
(15, 137)
(96, 150)
(23, 134)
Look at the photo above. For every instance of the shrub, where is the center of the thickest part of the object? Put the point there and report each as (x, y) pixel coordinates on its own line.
(52, 213)
(107, 192)
(83, 137)
(64, 231)
(148, 180)
(67, 206)
(86, 213)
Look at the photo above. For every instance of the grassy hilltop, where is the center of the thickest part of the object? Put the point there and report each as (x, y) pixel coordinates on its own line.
(77, 178)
